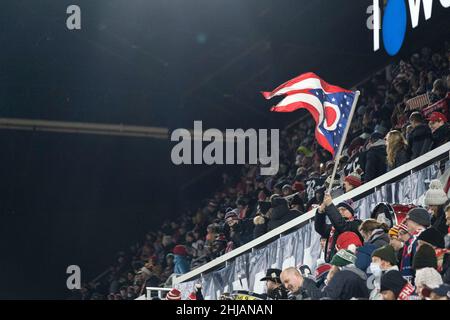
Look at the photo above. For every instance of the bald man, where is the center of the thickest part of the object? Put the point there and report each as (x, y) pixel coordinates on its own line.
(300, 287)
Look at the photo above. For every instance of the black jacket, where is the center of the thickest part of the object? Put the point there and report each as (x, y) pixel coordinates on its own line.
(400, 158)
(308, 291)
(348, 283)
(441, 135)
(419, 141)
(439, 222)
(260, 228)
(375, 164)
(338, 222)
(242, 232)
(280, 215)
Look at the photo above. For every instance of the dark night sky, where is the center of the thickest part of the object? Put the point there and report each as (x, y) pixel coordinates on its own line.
(77, 199)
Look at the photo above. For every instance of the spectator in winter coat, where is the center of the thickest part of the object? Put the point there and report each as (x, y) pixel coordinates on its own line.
(395, 287)
(374, 232)
(419, 139)
(396, 149)
(398, 235)
(375, 157)
(427, 278)
(342, 219)
(181, 264)
(435, 199)
(300, 287)
(352, 181)
(425, 257)
(280, 213)
(384, 260)
(275, 289)
(440, 129)
(241, 230)
(417, 220)
(347, 281)
(260, 228)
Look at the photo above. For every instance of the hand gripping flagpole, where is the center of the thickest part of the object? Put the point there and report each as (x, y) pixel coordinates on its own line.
(344, 136)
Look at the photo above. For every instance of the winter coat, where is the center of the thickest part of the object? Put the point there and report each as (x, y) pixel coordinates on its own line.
(308, 291)
(375, 164)
(332, 231)
(379, 238)
(364, 256)
(181, 265)
(400, 158)
(260, 227)
(280, 215)
(242, 232)
(419, 141)
(441, 135)
(349, 282)
(439, 222)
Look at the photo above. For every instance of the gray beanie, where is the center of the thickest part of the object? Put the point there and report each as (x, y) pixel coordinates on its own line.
(420, 216)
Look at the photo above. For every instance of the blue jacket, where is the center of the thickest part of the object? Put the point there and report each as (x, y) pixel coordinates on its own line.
(364, 256)
(181, 264)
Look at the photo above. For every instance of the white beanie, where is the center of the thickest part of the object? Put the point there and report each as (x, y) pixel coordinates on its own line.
(435, 196)
(428, 277)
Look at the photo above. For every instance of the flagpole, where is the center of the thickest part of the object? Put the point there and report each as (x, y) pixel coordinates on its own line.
(344, 136)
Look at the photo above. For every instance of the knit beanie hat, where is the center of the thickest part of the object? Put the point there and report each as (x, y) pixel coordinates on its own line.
(393, 281)
(425, 257)
(180, 250)
(393, 232)
(435, 195)
(346, 239)
(433, 237)
(343, 258)
(173, 294)
(354, 179)
(419, 216)
(386, 253)
(347, 205)
(428, 277)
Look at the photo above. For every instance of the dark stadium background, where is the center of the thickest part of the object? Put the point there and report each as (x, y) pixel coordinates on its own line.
(78, 199)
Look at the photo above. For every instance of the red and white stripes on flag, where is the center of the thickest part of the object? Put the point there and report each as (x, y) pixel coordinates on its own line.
(418, 102)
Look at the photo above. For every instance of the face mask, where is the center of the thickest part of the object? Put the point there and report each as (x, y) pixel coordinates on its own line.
(375, 269)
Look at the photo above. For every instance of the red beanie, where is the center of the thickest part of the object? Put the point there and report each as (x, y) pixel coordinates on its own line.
(346, 239)
(173, 294)
(180, 250)
(192, 296)
(354, 179)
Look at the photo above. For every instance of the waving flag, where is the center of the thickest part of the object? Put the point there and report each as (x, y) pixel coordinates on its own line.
(329, 105)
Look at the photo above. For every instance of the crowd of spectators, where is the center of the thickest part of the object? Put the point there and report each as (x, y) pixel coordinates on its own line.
(385, 133)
